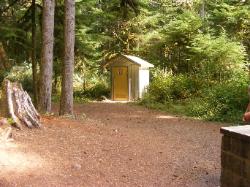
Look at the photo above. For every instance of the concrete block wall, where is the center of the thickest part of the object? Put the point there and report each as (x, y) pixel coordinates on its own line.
(235, 156)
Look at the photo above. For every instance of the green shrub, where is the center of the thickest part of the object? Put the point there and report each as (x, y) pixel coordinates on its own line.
(95, 92)
(22, 74)
(225, 101)
(159, 89)
(219, 101)
(166, 87)
(100, 90)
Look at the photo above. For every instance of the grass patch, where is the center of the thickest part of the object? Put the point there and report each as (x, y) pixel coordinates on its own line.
(196, 108)
(176, 108)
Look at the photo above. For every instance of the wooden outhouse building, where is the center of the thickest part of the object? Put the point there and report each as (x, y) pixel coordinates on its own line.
(129, 77)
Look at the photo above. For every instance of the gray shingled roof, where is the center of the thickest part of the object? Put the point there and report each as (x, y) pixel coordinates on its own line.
(142, 63)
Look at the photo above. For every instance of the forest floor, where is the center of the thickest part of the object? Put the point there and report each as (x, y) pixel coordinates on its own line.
(113, 145)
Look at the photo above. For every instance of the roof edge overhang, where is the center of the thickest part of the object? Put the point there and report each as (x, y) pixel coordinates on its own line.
(133, 61)
(107, 63)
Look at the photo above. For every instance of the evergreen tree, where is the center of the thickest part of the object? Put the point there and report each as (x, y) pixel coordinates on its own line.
(66, 106)
(46, 71)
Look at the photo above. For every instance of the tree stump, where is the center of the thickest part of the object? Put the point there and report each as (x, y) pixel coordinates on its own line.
(17, 105)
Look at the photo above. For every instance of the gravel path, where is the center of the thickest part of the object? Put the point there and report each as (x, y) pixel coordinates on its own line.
(114, 145)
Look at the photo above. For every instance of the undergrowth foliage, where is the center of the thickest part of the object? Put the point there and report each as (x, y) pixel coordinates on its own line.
(98, 91)
(225, 101)
(192, 96)
(23, 74)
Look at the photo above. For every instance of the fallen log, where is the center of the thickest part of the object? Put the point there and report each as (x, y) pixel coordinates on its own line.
(18, 106)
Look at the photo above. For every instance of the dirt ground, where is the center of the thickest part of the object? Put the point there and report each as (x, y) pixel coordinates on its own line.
(113, 145)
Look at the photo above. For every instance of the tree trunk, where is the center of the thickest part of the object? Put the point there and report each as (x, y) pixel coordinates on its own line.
(66, 106)
(202, 10)
(34, 65)
(47, 56)
(18, 106)
(3, 58)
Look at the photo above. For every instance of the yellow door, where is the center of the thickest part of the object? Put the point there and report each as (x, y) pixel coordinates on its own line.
(120, 83)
